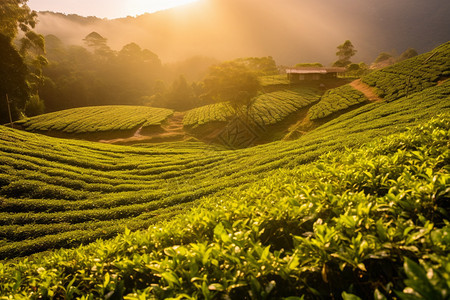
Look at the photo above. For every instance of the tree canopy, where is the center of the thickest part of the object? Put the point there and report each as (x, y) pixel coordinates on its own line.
(383, 56)
(233, 82)
(408, 53)
(344, 53)
(23, 66)
(308, 65)
(13, 72)
(15, 15)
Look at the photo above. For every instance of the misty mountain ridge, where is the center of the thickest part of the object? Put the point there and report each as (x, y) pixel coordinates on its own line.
(291, 31)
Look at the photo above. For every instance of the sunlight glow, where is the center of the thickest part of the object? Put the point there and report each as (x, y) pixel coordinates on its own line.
(136, 7)
(105, 8)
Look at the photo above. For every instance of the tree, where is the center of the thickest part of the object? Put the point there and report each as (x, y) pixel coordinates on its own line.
(15, 15)
(259, 65)
(408, 53)
(34, 106)
(13, 74)
(232, 82)
(344, 53)
(308, 65)
(384, 56)
(98, 44)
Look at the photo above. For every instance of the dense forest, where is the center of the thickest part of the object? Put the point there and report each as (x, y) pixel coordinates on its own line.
(97, 75)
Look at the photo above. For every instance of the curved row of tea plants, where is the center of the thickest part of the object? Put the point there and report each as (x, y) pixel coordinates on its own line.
(217, 112)
(412, 75)
(274, 107)
(97, 119)
(370, 223)
(268, 109)
(75, 191)
(279, 79)
(335, 100)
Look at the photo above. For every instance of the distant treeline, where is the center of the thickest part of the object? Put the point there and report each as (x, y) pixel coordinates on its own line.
(97, 75)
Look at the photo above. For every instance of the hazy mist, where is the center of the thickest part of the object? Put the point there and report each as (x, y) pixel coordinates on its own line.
(291, 31)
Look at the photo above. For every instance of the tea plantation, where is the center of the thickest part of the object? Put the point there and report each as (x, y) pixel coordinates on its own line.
(369, 221)
(267, 109)
(412, 75)
(97, 119)
(336, 100)
(355, 209)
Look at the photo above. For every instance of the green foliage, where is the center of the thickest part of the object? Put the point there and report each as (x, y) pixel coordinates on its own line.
(336, 100)
(268, 80)
(98, 77)
(424, 281)
(271, 108)
(267, 109)
(98, 43)
(260, 65)
(217, 112)
(15, 15)
(97, 119)
(34, 106)
(232, 82)
(411, 75)
(82, 191)
(407, 54)
(180, 96)
(344, 53)
(300, 65)
(383, 56)
(347, 225)
(13, 74)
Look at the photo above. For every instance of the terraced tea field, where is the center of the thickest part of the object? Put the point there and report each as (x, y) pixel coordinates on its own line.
(60, 193)
(412, 75)
(356, 208)
(269, 80)
(330, 227)
(268, 109)
(335, 100)
(97, 119)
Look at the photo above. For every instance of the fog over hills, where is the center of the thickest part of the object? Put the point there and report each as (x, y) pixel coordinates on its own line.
(291, 31)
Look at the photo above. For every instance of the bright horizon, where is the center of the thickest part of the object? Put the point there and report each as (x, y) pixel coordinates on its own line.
(110, 9)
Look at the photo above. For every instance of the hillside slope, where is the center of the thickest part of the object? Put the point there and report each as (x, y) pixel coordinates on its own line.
(74, 192)
(93, 122)
(352, 222)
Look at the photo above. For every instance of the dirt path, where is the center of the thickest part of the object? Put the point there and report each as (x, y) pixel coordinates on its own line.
(366, 90)
(172, 130)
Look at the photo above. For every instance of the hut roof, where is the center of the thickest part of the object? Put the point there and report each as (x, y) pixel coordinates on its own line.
(314, 70)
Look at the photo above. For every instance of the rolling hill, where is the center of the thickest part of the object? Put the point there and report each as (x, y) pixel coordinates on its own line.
(96, 121)
(357, 206)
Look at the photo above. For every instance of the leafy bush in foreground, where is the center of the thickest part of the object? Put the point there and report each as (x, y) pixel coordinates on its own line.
(367, 222)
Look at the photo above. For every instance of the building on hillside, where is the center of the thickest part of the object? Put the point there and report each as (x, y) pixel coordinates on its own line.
(312, 73)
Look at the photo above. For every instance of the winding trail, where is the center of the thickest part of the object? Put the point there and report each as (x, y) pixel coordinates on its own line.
(366, 90)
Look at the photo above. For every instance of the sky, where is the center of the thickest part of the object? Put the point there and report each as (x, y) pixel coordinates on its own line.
(105, 8)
